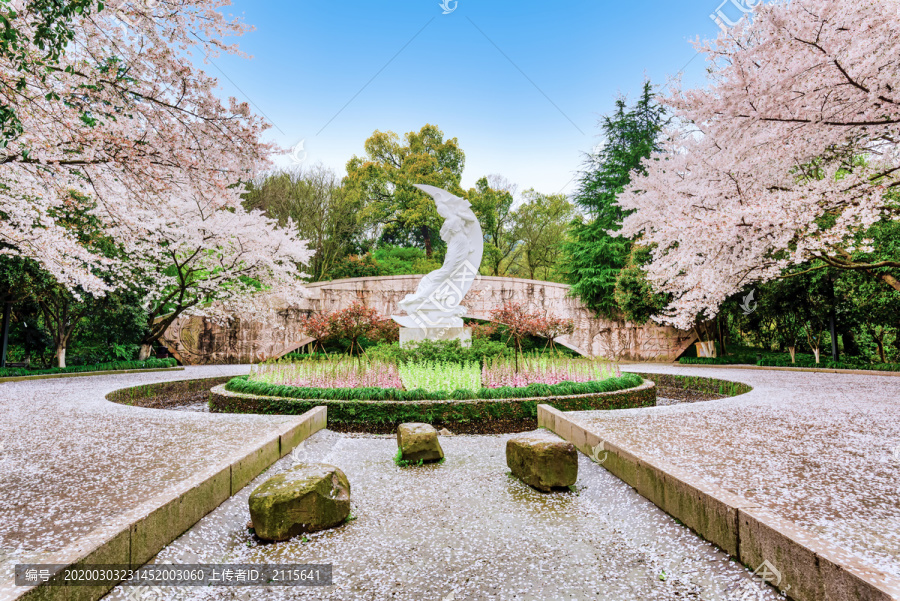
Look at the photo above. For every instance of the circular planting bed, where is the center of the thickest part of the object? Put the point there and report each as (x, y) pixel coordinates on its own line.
(461, 416)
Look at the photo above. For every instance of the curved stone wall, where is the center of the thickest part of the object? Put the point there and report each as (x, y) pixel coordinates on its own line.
(195, 340)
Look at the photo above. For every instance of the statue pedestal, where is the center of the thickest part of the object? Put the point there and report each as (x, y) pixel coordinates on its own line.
(410, 336)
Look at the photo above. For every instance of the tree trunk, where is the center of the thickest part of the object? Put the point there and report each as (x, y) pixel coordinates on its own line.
(851, 347)
(426, 234)
(890, 280)
(879, 342)
(61, 356)
(144, 353)
(816, 351)
(721, 333)
(793, 351)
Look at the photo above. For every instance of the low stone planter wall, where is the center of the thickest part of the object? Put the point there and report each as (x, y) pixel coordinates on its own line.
(477, 415)
(165, 394)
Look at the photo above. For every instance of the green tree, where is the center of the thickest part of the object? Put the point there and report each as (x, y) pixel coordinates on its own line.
(541, 225)
(383, 180)
(873, 308)
(633, 295)
(41, 24)
(595, 257)
(492, 200)
(324, 214)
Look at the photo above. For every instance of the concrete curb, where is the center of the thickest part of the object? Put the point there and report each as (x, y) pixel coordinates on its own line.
(810, 568)
(815, 370)
(135, 537)
(88, 373)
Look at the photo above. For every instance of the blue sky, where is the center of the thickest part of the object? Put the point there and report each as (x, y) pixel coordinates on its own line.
(521, 84)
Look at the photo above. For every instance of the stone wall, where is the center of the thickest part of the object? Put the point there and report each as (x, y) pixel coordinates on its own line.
(196, 340)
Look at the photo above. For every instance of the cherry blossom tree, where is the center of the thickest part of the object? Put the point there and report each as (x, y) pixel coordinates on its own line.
(789, 156)
(126, 118)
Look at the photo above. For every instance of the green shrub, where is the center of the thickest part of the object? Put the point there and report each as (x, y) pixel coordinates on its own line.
(15, 372)
(441, 351)
(810, 362)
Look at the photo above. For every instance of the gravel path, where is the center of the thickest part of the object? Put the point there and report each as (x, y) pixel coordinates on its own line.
(69, 458)
(820, 449)
(467, 530)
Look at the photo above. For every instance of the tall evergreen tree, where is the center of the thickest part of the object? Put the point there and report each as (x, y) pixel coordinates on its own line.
(594, 256)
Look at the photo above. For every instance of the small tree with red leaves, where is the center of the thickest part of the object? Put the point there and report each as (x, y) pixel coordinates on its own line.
(317, 325)
(385, 330)
(483, 331)
(355, 322)
(551, 327)
(519, 322)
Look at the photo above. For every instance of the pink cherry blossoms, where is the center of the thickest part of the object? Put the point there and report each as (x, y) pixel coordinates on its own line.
(786, 157)
(127, 120)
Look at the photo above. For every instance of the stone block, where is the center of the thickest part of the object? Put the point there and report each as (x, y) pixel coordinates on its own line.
(419, 442)
(306, 498)
(542, 460)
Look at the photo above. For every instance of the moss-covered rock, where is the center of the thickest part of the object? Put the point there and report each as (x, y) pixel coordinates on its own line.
(542, 460)
(306, 498)
(419, 442)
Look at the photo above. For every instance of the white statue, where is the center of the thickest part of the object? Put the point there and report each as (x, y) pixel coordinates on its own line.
(436, 303)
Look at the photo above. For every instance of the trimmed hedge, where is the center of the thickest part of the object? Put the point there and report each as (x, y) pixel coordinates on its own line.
(774, 362)
(18, 372)
(243, 385)
(726, 360)
(786, 362)
(394, 412)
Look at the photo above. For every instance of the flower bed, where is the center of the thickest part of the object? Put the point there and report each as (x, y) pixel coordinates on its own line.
(432, 376)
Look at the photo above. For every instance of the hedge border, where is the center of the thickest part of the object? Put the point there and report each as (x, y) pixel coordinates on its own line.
(112, 366)
(85, 374)
(381, 413)
(800, 364)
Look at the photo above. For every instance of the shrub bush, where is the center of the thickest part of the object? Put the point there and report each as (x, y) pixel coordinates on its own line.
(113, 366)
(785, 361)
(441, 351)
